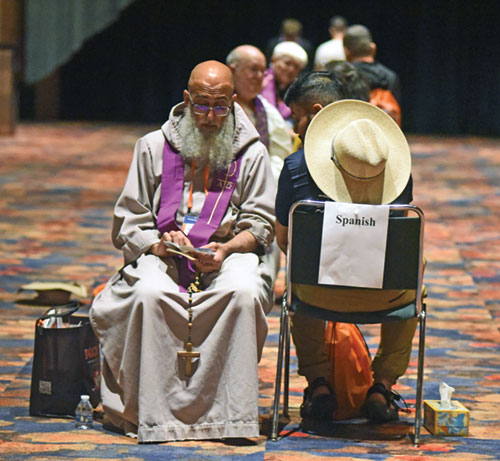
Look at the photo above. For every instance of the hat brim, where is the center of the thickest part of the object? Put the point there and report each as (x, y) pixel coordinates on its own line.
(339, 186)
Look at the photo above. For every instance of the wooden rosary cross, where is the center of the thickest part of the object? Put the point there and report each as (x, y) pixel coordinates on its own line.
(188, 355)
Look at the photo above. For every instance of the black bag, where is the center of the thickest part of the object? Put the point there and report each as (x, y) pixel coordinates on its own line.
(66, 363)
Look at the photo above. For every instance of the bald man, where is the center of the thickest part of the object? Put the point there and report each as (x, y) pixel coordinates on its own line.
(182, 334)
(248, 65)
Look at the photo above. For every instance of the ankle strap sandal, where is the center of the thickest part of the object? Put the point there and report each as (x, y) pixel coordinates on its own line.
(382, 412)
(320, 407)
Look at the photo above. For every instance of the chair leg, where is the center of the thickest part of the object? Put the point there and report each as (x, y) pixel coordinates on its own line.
(286, 380)
(279, 369)
(420, 378)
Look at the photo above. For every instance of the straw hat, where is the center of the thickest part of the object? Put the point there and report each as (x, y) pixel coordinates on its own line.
(357, 153)
(53, 293)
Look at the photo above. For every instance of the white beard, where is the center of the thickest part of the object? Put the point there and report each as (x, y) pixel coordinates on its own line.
(214, 150)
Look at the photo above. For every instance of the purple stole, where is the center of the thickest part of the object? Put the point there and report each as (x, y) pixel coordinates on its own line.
(214, 208)
(261, 121)
(269, 92)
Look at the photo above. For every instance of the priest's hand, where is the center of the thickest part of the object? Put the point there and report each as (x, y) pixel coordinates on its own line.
(211, 262)
(243, 242)
(159, 248)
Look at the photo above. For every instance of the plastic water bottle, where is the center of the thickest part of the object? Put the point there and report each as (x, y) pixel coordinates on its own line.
(83, 413)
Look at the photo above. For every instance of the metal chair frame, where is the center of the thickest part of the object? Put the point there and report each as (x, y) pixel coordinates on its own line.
(354, 317)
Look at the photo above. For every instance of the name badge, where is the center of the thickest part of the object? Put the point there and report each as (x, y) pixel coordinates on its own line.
(189, 222)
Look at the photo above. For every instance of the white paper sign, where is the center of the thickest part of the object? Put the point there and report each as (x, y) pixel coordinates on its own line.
(353, 245)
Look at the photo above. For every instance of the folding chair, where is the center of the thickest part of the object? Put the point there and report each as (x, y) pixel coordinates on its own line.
(403, 270)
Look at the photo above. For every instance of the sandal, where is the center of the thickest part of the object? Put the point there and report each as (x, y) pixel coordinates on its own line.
(378, 411)
(320, 407)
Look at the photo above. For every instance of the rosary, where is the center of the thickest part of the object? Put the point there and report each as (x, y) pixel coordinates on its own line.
(188, 354)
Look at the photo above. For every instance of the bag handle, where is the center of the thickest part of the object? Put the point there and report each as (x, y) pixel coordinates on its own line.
(63, 310)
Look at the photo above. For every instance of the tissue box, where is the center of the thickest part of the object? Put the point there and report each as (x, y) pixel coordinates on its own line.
(439, 421)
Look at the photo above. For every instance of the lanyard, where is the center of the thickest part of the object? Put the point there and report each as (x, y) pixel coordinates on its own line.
(205, 185)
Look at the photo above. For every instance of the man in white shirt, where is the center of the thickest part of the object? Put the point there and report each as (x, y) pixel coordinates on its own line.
(333, 49)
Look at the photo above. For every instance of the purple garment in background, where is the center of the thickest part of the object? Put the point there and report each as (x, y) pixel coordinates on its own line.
(261, 121)
(270, 93)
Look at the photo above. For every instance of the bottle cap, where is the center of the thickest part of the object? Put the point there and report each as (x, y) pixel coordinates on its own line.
(84, 397)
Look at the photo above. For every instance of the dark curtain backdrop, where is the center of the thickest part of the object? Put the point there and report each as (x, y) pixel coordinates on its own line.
(446, 53)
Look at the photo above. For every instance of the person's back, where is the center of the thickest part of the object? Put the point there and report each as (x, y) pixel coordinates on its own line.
(358, 190)
(332, 50)
(360, 51)
(380, 76)
(300, 180)
(384, 82)
(354, 84)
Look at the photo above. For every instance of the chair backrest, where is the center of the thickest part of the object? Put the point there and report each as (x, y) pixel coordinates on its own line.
(403, 268)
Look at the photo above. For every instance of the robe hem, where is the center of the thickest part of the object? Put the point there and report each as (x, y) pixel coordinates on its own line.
(169, 433)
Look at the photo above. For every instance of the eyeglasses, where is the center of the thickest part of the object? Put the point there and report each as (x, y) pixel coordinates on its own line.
(202, 109)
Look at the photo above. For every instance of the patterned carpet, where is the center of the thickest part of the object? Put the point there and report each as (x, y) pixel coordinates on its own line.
(57, 188)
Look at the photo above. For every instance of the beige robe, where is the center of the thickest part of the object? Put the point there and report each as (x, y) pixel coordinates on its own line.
(141, 317)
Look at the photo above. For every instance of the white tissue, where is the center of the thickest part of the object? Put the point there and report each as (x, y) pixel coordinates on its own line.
(446, 392)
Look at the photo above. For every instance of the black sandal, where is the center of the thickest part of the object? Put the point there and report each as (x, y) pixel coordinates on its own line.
(320, 407)
(378, 411)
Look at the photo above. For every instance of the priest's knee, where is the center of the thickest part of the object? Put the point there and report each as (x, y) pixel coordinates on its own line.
(245, 296)
(148, 290)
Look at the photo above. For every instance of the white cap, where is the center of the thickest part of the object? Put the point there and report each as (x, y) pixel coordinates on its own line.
(84, 397)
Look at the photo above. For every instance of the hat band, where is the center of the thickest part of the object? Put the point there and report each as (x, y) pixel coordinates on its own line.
(341, 168)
